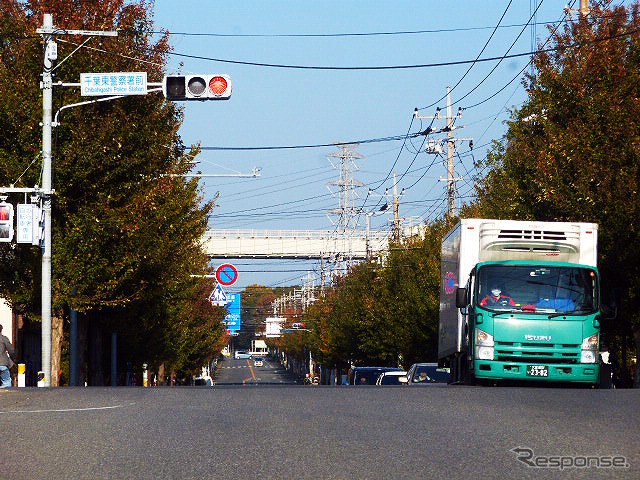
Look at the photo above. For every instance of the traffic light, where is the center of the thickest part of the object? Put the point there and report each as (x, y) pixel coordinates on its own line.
(6, 222)
(197, 87)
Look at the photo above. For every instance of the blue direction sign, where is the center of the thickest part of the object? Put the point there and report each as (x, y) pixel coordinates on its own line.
(226, 274)
(233, 317)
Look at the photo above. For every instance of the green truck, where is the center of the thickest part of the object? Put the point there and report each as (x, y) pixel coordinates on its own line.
(520, 300)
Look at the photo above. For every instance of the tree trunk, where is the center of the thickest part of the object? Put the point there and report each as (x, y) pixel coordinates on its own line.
(57, 336)
(161, 380)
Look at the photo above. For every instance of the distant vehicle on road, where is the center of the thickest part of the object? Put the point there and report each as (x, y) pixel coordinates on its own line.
(242, 354)
(204, 381)
(391, 378)
(368, 375)
(426, 374)
(258, 362)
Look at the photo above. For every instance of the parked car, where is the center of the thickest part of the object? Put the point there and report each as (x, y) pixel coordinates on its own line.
(391, 378)
(242, 354)
(426, 374)
(368, 375)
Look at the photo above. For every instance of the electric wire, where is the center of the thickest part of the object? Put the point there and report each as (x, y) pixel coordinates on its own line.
(477, 57)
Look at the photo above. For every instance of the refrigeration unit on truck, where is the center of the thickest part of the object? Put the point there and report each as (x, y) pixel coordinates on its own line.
(520, 300)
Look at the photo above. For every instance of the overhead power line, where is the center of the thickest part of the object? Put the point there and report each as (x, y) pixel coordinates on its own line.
(319, 145)
(329, 35)
(400, 67)
(356, 34)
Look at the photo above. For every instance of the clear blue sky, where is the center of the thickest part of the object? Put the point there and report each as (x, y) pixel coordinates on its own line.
(286, 106)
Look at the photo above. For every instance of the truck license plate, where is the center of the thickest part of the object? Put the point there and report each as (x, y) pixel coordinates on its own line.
(537, 370)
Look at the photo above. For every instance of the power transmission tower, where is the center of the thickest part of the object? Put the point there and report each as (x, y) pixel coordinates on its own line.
(451, 149)
(346, 211)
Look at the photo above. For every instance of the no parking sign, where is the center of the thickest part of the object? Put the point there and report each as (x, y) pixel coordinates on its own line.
(226, 274)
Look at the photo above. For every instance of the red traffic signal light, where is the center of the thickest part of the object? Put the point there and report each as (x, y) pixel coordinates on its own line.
(197, 87)
(6, 222)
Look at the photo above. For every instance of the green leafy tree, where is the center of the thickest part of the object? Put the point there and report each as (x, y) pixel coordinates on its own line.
(572, 151)
(126, 230)
(383, 314)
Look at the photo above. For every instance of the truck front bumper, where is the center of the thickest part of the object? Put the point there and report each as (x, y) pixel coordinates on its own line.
(495, 370)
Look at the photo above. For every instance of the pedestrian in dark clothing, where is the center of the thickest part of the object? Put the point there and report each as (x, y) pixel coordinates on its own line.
(7, 356)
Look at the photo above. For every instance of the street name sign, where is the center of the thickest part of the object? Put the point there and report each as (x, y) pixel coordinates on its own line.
(113, 83)
(25, 223)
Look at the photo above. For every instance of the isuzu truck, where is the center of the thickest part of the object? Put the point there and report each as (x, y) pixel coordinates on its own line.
(520, 300)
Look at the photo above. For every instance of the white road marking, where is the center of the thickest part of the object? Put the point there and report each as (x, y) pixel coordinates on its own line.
(86, 409)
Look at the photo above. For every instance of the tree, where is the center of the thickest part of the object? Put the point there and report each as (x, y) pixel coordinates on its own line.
(572, 151)
(383, 314)
(126, 231)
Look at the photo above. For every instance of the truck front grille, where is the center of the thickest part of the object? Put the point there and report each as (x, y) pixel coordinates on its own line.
(537, 352)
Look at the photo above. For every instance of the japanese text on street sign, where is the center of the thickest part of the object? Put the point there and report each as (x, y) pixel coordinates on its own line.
(233, 317)
(25, 223)
(118, 83)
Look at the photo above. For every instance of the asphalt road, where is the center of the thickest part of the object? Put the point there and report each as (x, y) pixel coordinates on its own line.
(269, 431)
(244, 371)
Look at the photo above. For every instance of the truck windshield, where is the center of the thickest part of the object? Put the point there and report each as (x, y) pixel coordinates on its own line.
(545, 290)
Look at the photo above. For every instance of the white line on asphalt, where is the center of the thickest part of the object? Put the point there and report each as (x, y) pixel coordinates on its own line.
(69, 409)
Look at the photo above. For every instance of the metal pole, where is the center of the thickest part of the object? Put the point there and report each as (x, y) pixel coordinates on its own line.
(73, 350)
(114, 359)
(47, 102)
(396, 210)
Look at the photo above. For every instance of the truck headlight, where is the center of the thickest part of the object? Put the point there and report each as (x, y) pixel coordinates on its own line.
(590, 349)
(588, 356)
(483, 338)
(484, 345)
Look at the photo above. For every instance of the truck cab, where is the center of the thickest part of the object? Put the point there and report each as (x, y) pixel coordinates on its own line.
(520, 301)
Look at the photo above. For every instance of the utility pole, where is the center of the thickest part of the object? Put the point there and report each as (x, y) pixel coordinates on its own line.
(584, 9)
(395, 202)
(451, 150)
(396, 210)
(48, 32)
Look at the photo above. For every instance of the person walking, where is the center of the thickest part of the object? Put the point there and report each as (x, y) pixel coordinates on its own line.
(7, 356)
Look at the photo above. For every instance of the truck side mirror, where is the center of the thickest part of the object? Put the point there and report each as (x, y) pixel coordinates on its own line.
(461, 298)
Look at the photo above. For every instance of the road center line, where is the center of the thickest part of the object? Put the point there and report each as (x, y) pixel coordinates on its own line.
(253, 374)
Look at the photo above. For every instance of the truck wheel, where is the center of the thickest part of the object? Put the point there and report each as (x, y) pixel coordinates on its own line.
(460, 373)
(605, 381)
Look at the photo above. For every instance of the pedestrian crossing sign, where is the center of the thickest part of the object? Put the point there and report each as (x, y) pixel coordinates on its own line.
(219, 297)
